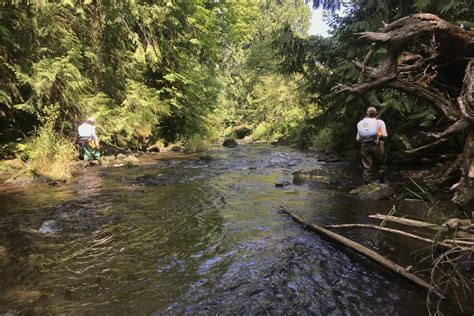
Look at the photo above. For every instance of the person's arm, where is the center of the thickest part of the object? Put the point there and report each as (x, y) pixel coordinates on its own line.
(94, 138)
(383, 128)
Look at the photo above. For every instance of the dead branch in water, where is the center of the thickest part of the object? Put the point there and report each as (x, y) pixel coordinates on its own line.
(393, 231)
(411, 222)
(406, 221)
(366, 252)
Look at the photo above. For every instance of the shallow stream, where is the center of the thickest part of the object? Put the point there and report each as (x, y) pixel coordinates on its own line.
(196, 236)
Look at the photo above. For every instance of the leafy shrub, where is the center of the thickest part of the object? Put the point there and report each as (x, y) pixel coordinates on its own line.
(324, 140)
(230, 132)
(262, 131)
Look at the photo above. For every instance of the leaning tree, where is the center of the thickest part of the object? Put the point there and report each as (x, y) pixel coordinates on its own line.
(429, 58)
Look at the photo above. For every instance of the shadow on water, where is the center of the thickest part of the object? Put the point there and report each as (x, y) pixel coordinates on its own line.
(191, 236)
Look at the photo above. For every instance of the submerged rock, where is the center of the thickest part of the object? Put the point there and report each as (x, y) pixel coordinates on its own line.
(229, 142)
(49, 227)
(3, 253)
(316, 175)
(131, 161)
(176, 149)
(205, 157)
(282, 184)
(20, 294)
(374, 191)
(23, 177)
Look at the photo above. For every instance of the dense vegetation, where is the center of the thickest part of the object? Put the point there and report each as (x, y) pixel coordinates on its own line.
(188, 71)
(325, 62)
(148, 71)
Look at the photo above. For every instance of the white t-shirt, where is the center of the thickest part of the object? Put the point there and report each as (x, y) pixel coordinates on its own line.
(86, 130)
(369, 126)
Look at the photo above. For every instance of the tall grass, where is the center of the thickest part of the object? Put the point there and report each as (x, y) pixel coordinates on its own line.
(196, 143)
(51, 154)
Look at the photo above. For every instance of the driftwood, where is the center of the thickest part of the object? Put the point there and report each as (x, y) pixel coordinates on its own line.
(415, 223)
(460, 242)
(406, 221)
(367, 252)
(391, 230)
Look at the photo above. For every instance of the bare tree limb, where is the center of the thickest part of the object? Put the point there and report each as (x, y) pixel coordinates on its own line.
(366, 252)
(391, 230)
(437, 142)
(440, 101)
(458, 126)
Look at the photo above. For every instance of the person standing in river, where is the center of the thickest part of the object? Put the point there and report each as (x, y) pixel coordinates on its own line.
(371, 132)
(89, 142)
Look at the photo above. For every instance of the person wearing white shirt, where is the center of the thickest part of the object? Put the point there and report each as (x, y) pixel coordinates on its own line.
(89, 141)
(371, 132)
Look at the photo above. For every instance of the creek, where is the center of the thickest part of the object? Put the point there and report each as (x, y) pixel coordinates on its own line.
(197, 236)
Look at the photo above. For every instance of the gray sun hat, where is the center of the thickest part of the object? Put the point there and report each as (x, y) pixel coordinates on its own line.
(371, 110)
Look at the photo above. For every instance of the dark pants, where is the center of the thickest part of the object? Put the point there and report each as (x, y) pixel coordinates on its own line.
(373, 161)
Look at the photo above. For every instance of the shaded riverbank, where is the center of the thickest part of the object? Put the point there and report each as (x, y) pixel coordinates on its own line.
(190, 235)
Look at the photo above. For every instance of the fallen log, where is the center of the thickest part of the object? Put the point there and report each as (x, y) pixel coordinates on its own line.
(368, 253)
(415, 223)
(391, 230)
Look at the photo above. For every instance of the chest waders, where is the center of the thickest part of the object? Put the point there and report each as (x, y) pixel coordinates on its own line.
(373, 159)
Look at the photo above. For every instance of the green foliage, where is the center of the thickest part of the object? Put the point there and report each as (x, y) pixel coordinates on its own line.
(263, 131)
(255, 94)
(196, 143)
(50, 153)
(324, 140)
(147, 70)
(325, 62)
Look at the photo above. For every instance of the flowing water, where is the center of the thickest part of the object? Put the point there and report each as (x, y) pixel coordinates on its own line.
(195, 236)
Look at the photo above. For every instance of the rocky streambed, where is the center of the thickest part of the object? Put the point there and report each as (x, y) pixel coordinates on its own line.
(192, 234)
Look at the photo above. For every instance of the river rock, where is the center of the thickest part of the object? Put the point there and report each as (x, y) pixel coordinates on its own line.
(282, 184)
(49, 227)
(121, 156)
(153, 149)
(20, 294)
(176, 149)
(131, 161)
(23, 177)
(3, 253)
(316, 175)
(229, 142)
(374, 191)
(205, 157)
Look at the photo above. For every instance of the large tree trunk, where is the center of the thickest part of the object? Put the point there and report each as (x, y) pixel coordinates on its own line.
(422, 51)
